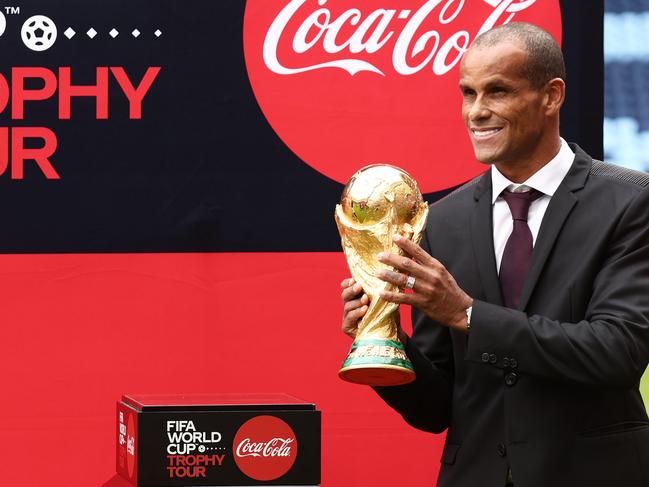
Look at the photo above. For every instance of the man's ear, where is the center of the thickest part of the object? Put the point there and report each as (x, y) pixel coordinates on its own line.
(555, 92)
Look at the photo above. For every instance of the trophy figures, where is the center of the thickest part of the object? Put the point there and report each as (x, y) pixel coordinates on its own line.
(378, 202)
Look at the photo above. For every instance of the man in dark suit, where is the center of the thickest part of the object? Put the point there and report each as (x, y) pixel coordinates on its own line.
(531, 294)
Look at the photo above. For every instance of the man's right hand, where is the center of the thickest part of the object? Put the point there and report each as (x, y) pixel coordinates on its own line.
(354, 305)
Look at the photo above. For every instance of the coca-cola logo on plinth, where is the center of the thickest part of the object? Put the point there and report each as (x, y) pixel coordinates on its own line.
(346, 83)
(265, 448)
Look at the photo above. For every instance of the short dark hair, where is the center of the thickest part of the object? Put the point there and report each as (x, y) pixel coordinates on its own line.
(544, 56)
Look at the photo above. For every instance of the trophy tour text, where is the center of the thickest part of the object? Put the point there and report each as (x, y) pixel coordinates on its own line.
(29, 85)
(189, 452)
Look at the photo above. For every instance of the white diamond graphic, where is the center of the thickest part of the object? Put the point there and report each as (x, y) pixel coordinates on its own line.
(69, 33)
(135, 33)
(158, 33)
(113, 33)
(91, 33)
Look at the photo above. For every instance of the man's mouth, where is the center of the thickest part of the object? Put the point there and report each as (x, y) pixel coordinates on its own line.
(483, 133)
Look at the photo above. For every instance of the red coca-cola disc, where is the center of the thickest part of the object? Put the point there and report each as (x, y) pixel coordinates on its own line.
(265, 448)
(349, 83)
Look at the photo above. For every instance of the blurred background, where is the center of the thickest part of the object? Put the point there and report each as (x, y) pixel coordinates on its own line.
(626, 81)
(626, 90)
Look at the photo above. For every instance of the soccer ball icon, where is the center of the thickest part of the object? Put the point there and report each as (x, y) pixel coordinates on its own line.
(38, 33)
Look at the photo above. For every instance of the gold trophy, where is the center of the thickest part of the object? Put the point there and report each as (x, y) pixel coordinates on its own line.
(378, 202)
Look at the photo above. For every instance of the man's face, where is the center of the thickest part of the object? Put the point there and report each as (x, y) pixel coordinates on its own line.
(505, 115)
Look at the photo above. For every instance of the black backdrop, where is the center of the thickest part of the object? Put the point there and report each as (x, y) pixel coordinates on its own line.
(202, 170)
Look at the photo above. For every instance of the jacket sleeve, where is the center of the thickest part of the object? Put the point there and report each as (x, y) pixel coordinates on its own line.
(609, 347)
(426, 402)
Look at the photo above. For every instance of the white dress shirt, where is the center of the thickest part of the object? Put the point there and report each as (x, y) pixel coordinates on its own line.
(546, 180)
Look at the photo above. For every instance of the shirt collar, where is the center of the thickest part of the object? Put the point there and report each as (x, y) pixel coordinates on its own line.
(546, 180)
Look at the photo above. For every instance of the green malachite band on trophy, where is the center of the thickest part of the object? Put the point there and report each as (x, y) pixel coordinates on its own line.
(376, 348)
(376, 361)
(377, 341)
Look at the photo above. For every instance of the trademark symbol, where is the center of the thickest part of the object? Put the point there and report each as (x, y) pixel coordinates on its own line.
(12, 10)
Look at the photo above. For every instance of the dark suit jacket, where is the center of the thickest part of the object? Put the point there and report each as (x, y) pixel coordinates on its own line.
(550, 390)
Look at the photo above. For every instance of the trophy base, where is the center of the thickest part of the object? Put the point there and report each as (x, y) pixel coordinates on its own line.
(377, 362)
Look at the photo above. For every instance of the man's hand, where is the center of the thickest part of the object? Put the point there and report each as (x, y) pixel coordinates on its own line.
(435, 291)
(355, 305)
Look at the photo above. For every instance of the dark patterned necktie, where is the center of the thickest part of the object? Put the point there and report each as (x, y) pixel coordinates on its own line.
(518, 249)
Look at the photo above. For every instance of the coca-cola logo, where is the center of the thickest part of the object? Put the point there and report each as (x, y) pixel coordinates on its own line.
(275, 447)
(265, 448)
(346, 83)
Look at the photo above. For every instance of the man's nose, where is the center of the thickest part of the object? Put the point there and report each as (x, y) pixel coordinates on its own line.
(479, 110)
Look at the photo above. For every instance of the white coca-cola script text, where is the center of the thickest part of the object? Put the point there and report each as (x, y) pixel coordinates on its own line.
(276, 447)
(320, 31)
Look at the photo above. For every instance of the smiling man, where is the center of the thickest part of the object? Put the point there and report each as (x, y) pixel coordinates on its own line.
(530, 302)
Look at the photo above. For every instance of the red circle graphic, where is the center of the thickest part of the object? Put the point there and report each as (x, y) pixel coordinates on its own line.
(265, 448)
(350, 83)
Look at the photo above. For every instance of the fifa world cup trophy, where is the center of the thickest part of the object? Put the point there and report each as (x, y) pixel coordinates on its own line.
(378, 202)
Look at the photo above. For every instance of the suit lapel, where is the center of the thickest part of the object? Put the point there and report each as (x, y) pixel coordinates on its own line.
(483, 242)
(561, 204)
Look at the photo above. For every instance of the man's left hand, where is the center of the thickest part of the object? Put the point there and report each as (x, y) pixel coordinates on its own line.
(435, 291)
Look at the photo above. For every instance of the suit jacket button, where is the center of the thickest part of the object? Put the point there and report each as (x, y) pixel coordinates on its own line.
(493, 359)
(485, 357)
(502, 451)
(511, 378)
(506, 362)
(513, 363)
